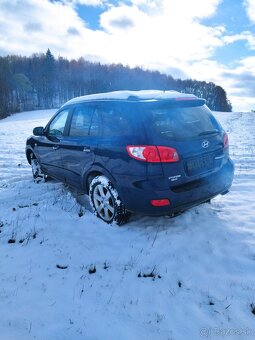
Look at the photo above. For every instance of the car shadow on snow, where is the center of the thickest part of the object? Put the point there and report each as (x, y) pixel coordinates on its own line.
(192, 218)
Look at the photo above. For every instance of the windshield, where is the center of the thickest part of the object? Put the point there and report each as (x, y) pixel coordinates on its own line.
(182, 122)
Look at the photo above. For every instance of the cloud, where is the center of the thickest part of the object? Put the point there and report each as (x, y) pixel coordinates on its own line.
(128, 35)
(186, 9)
(163, 35)
(250, 8)
(175, 72)
(149, 6)
(73, 31)
(246, 35)
(122, 22)
(93, 3)
(33, 26)
(182, 9)
(159, 38)
(239, 80)
(123, 17)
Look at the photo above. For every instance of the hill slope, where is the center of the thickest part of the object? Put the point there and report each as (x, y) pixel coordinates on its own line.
(68, 277)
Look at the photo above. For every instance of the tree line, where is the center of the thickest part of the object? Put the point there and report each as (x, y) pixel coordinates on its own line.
(41, 81)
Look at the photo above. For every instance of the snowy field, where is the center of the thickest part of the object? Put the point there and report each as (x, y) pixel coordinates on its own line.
(64, 274)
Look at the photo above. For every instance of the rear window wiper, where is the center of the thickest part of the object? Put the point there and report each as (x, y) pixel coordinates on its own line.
(209, 132)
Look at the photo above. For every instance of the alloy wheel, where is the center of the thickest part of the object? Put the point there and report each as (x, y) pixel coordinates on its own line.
(103, 202)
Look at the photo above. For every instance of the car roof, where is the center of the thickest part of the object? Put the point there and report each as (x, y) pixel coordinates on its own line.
(143, 96)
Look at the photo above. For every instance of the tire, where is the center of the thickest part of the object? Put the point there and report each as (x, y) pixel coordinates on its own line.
(37, 172)
(105, 201)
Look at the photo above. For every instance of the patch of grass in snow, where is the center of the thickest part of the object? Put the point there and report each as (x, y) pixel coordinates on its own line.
(92, 270)
(106, 266)
(151, 274)
(81, 212)
(11, 230)
(59, 266)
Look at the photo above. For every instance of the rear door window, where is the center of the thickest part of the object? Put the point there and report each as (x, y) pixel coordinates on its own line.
(115, 121)
(83, 122)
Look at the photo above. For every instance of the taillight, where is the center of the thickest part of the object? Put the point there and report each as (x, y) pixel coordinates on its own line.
(168, 154)
(154, 154)
(143, 153)
(225, 140)
(160, 203)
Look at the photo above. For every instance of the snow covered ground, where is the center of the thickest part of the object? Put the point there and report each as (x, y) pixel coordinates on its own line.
(64, 274)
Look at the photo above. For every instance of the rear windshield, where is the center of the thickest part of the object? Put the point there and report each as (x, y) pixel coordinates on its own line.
(182, 122)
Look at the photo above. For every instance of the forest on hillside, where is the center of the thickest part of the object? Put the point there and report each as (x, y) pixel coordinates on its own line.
(41, 81)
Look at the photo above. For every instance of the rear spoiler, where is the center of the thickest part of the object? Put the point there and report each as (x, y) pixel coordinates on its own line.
(190, 101)
(176, 102)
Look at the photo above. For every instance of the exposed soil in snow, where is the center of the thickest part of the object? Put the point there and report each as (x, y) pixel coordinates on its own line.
(64, 274)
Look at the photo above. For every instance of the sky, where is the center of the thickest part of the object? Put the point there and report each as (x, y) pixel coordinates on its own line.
(210, 40)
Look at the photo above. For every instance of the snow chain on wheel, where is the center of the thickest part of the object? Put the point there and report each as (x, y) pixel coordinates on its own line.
(105, 201)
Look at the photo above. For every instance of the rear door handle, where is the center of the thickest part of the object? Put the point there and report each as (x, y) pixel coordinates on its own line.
(55, 147)
(86, 149)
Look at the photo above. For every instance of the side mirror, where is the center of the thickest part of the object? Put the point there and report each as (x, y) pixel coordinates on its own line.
(38, 131)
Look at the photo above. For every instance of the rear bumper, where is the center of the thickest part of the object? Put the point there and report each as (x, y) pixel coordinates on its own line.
(181, 197)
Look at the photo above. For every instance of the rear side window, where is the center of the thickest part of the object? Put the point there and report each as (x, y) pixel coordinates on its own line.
(182, 122)
(115, 122)
(83, 122)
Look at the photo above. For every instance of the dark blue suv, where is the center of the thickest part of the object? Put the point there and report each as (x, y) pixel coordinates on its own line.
(151, 152)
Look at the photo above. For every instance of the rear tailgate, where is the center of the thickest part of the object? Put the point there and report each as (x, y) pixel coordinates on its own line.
(192, 130)
(194, 159)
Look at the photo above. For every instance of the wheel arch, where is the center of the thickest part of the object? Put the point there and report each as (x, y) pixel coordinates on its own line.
(29, 151)
(96, 171)
(110, 209)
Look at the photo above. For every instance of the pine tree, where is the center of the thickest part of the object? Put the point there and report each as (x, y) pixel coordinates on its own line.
(49, 79)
